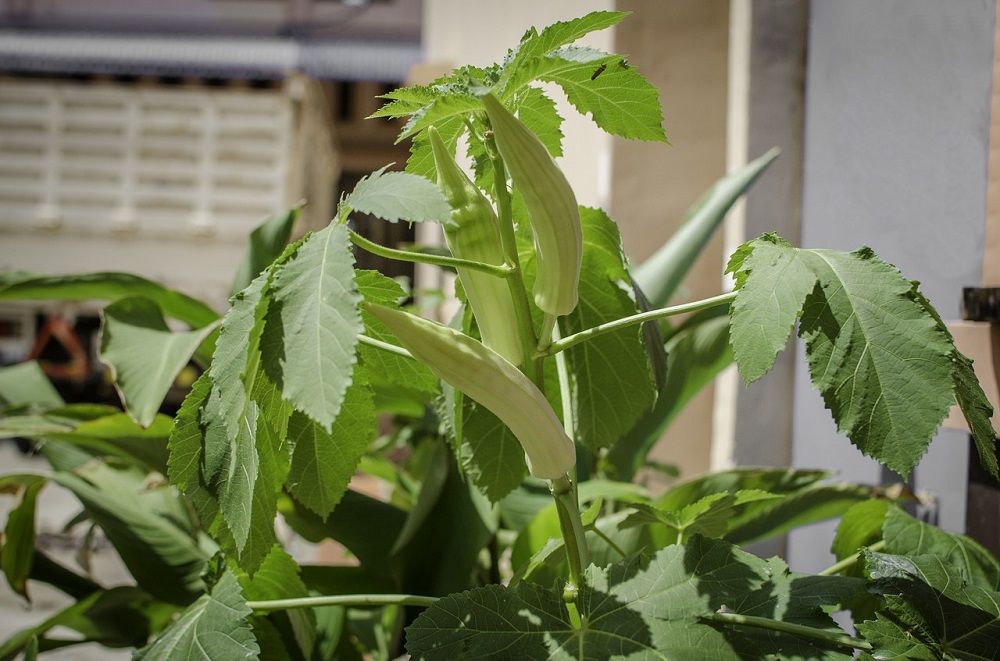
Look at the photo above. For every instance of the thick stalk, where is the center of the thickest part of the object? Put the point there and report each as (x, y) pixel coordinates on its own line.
(343, 600)
(800, 630)
(642, 317)
(571, 527)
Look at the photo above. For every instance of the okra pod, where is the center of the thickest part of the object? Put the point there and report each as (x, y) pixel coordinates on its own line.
(474, 234)
(484, 375)
(552, 209)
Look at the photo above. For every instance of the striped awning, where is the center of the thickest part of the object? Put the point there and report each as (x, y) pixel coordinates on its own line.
(205, 56)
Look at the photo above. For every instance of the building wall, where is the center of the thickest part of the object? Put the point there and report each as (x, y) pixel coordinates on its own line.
(896, 141)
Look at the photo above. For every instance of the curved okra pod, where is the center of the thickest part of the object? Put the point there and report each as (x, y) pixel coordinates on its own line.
(482, 374)
(552, 209)
(474, 234)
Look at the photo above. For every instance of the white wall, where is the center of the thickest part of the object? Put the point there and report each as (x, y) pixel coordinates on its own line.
(896, 142)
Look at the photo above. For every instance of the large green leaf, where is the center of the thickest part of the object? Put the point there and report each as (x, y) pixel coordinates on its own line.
(21, 286)
(927, 614)
(267, 241)
(612, 377)
(539, 114)
(17, 543)
(323, 462)
(144, 354)
(649, 608)
(880, 360)
(313, 324)
(213, 627)
(661, 274)
(534, 44)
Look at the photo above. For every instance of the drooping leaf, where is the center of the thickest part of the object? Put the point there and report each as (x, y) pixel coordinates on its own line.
(313, 324)
(213, 627)
(184, 466)
(149, 529)
(105, 287)
(859, 527)
(978, 412)
(323, 462)
(661, 274)
(267, 241)
(710, 516)
(490, 454)
(17, 543)
(880, 360)
(612, 377)
(144, 354)
(396, 196)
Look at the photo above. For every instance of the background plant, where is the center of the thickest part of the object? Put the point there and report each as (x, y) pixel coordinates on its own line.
(468, 555)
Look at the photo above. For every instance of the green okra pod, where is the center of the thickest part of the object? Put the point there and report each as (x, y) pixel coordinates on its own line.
(474, 234)
(484, 375)
(552, 209)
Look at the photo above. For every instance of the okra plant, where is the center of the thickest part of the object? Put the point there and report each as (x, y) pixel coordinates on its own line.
(509, 523)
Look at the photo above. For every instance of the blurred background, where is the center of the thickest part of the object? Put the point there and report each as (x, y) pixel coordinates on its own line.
(151, 137)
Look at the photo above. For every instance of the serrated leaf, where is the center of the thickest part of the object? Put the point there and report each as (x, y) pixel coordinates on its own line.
(213, 627)
(313, 325)
(639, 608)
(490, 454)
(767, 306)
(144, 354)
(978, 412)
(447, 107)
(616, 96)
(323, 462)
(881, 362)
(421, 160)
(534, 44)
(711, 515)
(920, 621)
(395, 196)
(538, 112)
(613, 380)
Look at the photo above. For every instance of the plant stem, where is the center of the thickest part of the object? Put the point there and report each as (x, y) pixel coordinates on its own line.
(385, 346)
(850, 560)
(625, 322)
(500, 271)
(343, 600)
(573, 534)
(840, 639)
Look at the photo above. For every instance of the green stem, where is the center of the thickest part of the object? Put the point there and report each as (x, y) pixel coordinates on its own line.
(343, 600)
(573, 535)
(385, 346)
(829, 637)
(642, 317)
(502, 271)
(850, 560)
